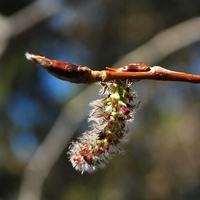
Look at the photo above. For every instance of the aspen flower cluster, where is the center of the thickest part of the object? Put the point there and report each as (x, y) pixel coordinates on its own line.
(109, 116)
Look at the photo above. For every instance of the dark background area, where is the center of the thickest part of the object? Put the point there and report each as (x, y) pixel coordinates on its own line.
(162, 159)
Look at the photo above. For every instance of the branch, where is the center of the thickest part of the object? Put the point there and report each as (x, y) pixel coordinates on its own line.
(133, 71)
(187, 33)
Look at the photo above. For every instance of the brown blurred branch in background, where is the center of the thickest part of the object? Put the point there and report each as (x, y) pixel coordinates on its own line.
(165, 43)
(26, 18)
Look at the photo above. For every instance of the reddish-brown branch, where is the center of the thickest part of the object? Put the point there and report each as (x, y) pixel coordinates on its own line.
(156, 73)
(136, 71)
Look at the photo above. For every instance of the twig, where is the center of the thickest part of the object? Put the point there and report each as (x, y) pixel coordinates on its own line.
(188, 33)
(136, 71)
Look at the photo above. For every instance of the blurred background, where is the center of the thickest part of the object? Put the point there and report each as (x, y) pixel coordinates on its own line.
(40, 115)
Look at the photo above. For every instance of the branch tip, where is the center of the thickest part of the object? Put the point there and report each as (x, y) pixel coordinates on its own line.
(28, 56)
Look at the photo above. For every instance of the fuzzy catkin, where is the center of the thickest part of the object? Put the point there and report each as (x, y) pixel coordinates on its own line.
(109, 116)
